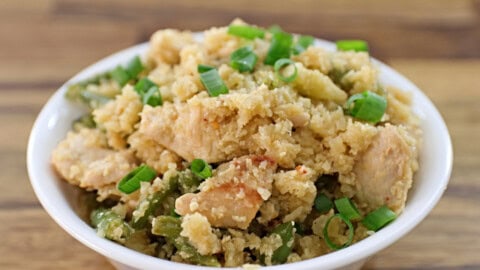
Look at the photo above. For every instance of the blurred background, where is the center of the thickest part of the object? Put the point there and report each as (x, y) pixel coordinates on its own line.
(435, 43)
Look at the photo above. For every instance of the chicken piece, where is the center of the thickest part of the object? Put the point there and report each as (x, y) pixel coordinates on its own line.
(207, 128)
(183, 129)
(220, 128)
(234, 194)
(152, 153)
(384, 171)
(84, 160)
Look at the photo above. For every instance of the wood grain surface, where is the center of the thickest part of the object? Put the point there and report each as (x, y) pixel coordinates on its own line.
(435, 43)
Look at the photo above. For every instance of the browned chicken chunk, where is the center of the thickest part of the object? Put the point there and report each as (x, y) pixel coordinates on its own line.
(201, 128)
(83, 159)
(233, 195)
(384, 171)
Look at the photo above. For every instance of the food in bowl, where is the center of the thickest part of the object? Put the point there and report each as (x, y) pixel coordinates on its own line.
(250, 146)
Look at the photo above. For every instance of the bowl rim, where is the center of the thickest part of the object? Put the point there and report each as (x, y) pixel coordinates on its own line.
(70, 222)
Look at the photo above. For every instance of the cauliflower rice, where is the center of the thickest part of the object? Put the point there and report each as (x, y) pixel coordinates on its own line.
(274, 148)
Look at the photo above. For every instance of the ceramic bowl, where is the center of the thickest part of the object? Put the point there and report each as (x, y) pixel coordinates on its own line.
(55, 119)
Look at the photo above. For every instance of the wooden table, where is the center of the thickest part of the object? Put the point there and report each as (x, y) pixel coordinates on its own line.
(435, 43)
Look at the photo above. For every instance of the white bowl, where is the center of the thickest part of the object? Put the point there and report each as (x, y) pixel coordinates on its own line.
(54, 121)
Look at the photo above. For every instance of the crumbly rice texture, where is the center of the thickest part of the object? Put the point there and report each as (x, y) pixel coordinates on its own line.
(271, 145)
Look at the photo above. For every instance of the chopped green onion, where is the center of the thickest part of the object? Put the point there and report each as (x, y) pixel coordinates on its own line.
(367, 106)
(152, 97)
(322, 203)
(275, 29)
(149, 92)
(280, 47)
(123, 75)
(134, 67)
(201, 168)
(352, 45)
(279, 64)
(246, 31)
(378, 218)
(204, 68)
(143, 85)
(302, 44)
(347, 208)
(120, 75)
(213, 83)
(243, 59)
(329, 242)
(131, 182)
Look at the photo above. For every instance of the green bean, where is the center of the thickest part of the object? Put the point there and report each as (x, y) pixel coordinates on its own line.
(140, 241)
(188, 182)
(167, 226)
(110, 225)
(170, 228)
(148, 207)
(79, 92)
(285, 231)
(192, 255)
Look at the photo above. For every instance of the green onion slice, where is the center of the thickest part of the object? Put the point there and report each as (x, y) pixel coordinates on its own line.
(302, 44)
(149, 92)
(152, 97)
(280, 47)
(143, 85)
(120, 75)
(204, 68)
(243, 59)
(329, 242)
(201, 168)
(352, 45)
(322, 203)
(213, 83)
(378, 218)
(123, 75)
(246, 31)
(347, 209)
(280, 64)
(134, 67)
(367, 106)
(131, 182)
